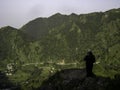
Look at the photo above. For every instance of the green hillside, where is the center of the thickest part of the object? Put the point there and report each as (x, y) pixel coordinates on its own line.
(69, 37)
(46, 45)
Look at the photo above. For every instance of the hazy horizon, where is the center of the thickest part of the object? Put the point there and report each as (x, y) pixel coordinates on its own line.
(16, 13)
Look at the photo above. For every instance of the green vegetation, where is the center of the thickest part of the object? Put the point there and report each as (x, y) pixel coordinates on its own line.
(40, 48)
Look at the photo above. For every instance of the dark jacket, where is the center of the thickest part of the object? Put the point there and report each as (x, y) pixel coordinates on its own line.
(89, 58)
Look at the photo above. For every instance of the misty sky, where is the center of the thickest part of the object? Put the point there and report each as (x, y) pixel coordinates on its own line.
(16, 13)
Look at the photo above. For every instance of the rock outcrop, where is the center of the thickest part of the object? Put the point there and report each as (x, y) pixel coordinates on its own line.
(74, 79)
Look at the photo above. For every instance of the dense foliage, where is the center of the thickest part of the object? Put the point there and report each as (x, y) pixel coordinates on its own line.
(60, 39)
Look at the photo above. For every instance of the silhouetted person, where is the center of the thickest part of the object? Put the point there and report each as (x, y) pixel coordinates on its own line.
(90, 59)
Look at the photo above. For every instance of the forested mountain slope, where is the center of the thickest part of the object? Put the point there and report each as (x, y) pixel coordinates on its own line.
(46, 45)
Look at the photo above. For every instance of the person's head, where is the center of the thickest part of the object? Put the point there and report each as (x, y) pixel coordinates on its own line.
(89, 53)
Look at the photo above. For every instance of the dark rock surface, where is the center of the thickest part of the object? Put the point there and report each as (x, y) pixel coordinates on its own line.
(6, 84)
(74, 79)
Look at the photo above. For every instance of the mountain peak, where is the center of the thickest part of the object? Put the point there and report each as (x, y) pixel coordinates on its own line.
(8, 28)
(73, 14)
(56, 15)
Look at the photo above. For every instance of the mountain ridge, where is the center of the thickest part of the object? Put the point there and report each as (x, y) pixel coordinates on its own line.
(86, 28)
(47, 45)
(43, 25)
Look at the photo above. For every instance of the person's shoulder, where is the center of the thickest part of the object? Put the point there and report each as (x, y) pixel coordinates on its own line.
(85, 57)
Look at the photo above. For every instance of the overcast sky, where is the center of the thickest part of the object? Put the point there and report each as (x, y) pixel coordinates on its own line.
(16, 13)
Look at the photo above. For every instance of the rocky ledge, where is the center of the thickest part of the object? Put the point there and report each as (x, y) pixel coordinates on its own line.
(75, 79)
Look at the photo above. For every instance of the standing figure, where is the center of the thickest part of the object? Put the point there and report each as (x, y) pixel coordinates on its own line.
(90, 59)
